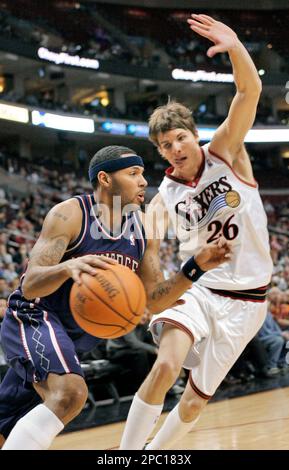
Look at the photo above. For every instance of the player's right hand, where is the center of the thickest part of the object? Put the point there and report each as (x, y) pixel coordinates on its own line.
(87, 264)
(213, 254)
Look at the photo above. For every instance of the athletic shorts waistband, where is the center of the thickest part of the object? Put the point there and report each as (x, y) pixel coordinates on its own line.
(251, 295)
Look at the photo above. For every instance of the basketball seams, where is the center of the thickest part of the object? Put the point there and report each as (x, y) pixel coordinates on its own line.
(120, 328)
(141, 292)
(107, 304)
(85, 294)
(98, 323)
(125, 293)
(109, 335)
(100, 308)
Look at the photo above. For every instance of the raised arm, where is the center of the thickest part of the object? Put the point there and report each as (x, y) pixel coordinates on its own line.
(45, 274)
(230, 135)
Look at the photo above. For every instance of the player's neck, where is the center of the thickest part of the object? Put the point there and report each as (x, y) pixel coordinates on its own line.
(108, 213)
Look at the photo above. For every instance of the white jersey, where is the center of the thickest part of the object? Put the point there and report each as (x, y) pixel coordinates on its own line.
(220, 203)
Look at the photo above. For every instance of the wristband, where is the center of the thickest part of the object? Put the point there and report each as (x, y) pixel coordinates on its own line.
(192, 270)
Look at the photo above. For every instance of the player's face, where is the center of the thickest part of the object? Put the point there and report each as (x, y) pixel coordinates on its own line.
(130, 184)
(181, 148)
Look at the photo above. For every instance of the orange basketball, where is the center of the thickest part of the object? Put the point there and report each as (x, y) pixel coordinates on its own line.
(109, 304)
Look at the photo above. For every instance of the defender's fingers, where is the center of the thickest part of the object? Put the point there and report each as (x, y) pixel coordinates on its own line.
(197, 23)
(215, 50)
(201, 31)
(206, 18)
(221, 242)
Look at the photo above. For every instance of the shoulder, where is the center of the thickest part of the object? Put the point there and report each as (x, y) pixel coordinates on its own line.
(65, 217)
(69, 209)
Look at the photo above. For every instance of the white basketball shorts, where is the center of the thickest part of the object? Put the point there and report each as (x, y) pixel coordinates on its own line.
(220, 328)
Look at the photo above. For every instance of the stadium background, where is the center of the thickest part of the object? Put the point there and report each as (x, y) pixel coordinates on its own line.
(76, 76)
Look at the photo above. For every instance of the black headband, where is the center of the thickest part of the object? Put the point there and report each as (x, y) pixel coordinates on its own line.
(114, 165)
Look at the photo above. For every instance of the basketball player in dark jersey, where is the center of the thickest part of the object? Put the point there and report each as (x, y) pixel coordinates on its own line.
(45, 389)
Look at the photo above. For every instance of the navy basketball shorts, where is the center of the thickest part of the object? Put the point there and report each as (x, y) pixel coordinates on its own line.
(37, 344)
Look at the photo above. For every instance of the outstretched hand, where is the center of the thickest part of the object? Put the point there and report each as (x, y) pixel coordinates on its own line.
(210, 256)
(221, 35)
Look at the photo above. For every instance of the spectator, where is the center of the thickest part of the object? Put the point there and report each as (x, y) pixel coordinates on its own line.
(5, 257)
(3, 306)
(274, 340)
(279, 303)
(4, 288)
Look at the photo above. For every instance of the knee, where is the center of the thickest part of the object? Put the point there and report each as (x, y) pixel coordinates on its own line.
(71, 397)
(276, 344)
(190, 408)
(281, 340)
(165, 372)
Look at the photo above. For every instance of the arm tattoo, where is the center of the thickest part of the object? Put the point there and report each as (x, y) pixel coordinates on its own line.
(154, 270)
(163, 289)
(60, 216)
(52, 254)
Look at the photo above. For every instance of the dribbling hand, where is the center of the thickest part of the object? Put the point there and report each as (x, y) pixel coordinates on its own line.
(87, 264)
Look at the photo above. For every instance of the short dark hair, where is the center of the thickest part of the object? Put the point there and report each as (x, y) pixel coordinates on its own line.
(112, 152)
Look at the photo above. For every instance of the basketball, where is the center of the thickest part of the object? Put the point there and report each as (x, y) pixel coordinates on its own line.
(109, 304)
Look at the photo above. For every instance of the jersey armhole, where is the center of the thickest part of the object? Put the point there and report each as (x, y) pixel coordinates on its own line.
(82, 232)
(251, 185)
(141, 231)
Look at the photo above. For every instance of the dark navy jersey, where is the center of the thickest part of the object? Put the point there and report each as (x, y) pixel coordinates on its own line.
(127, 248)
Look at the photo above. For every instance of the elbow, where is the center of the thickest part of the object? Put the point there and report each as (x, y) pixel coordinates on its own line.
(155, 307)
(258, 86)
(27, 291)
(252, 89)
(152, 308)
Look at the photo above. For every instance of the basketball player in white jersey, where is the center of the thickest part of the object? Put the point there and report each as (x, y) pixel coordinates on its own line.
(208, 192)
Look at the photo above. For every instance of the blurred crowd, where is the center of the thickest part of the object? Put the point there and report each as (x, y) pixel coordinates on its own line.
(133, 36)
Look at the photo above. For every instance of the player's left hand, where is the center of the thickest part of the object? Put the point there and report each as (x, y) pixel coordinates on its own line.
(220, 34)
